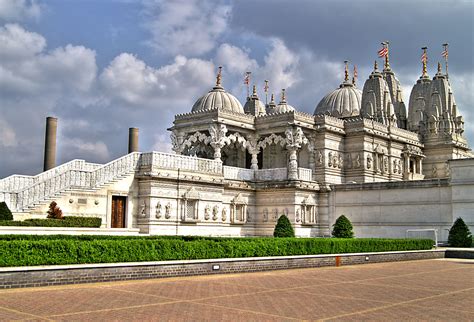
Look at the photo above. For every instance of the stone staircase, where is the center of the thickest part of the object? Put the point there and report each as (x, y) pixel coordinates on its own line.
(25, 193)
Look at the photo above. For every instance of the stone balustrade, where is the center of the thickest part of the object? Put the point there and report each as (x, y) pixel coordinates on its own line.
(159, 160)
(276, 174)
(233, 173)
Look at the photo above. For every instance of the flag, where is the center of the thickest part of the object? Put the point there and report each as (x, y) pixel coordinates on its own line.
(383, 52)
(445, 53)
(424, 57)
(247, 78)
(355, 71)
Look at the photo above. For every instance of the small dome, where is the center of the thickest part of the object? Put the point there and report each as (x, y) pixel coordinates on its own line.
(254, 105)
(283, 106)
(342, 102)
(218, 98)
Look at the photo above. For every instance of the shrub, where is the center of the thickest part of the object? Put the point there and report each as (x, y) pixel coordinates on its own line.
(68, 221)
(5, 213)
(459, 234)
(54, 211)
(58, 250)
(283, 228)
(342, 228)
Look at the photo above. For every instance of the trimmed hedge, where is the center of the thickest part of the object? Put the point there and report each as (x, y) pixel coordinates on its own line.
(69, 221)
(459, 234)
(56, 251)
(283, 228)
(5, 213)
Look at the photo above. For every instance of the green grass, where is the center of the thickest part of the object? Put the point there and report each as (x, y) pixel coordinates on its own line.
(55, 250)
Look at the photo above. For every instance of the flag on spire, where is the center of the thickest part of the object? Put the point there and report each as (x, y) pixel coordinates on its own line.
(383, 52)
(424, 57)
(445, 53)
(247, 78)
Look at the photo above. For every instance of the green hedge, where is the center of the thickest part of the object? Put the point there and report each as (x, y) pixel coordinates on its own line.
(55, 251)
(69, 221)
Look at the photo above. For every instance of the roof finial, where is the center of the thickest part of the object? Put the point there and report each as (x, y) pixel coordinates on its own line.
(254, 91)
(439, 68)
(354, 76)
(283, 96)
(265, 88)
(424, 60)
(376, 67)
(387, 63)
(445, 55)
(346, 71)
(219, 77)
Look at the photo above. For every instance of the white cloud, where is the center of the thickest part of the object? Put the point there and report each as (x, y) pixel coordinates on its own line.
(7, 135)
(234, 59)
(186, 27)
(18, 43)
(129, 79)
(81, 147)
(14, 10)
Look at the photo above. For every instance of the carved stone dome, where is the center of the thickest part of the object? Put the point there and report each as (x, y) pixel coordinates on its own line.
(283, 106)
(342, 102)
(218, 98)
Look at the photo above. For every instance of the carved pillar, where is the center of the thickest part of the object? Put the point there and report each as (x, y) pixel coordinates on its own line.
(254, 150)
(294, 139)
(218, 139)
(293, 164)
(254, 161)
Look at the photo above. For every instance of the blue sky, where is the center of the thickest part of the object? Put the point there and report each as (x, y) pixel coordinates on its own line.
(104, 66)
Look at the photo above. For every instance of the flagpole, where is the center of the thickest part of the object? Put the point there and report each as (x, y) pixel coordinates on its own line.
(424, 60)
(446, 57)
(266, 92)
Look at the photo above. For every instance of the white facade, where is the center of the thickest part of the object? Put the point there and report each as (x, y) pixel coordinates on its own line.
(237, 169)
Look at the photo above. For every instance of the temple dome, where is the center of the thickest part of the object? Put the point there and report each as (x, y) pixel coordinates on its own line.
(342, 102)
(218, 98)
(283, 106)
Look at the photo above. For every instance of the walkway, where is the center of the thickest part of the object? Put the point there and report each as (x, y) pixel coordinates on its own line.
(417, 290)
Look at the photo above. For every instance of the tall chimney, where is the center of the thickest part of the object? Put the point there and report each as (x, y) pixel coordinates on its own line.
(50, 143)
(132, 139)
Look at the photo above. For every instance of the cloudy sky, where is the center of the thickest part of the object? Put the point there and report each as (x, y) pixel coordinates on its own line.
(104, 66)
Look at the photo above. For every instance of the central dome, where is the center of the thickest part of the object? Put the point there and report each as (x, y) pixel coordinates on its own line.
(218, 98)
(342, 102)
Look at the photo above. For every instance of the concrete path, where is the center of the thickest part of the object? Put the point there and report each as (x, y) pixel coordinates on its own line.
(416, 290)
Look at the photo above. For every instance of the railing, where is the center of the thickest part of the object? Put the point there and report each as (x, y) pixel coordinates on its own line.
(159, 160)
(75, 179)
(276, 174)
(18, 182)
(233, 173)
(305, 174)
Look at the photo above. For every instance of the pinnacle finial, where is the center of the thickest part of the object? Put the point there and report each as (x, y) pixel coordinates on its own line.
(219, 76)
(346, 71)
(439, 68)
(376, 66)
(254, 90)
(283, 96)
(387, 62)
(354, 76)
(424, 59)
(272, 99)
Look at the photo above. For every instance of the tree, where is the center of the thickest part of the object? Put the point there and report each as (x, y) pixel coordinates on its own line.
(54, 211)
(283, 228)
(459, 234)
(342, 228)
(5, 213)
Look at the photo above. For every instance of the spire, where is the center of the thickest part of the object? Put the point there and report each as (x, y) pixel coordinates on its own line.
(254, 92)
(376, 67)
(445, 55)
(424, 60)
(283, 96)
(387, 62)
(219, 77)
(354, 76)
(266, 91)
(346, 72)
(439, 68)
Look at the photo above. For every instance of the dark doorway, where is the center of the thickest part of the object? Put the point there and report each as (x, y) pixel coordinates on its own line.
(118, 211)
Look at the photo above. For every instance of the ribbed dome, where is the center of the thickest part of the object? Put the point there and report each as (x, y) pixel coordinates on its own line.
(342, 102)
(218, 98)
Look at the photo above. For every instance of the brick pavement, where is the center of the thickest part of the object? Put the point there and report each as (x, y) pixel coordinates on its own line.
(440, 289)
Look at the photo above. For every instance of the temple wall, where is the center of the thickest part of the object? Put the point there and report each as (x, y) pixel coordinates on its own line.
(389, 209)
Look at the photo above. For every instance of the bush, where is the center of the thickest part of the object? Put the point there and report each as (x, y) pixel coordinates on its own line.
(5, 213)
(58, 250)
(54, 211)
(459, 234)
(342, 228)
(68, 221)
(283, 228)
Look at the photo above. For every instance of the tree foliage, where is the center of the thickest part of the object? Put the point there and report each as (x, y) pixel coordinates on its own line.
(5, 213)
(459, 234)
(342, 228)
(283, 228)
